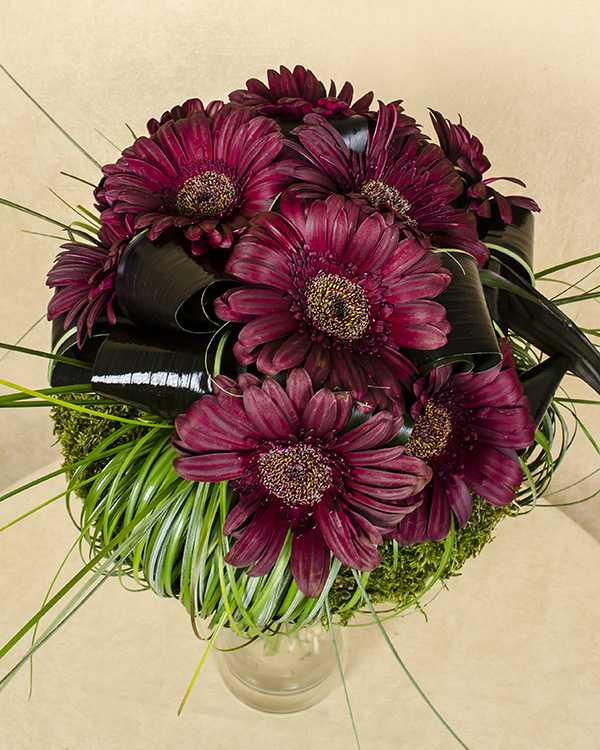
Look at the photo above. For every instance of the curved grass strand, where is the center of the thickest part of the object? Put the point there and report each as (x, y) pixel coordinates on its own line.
(52, 120)
(449, 548)
(75, 467)
(27, 332)
(118, 539)
(401, 663)
(48, 592)
(100, 576)
(44, 355)
(84, 410)
(567, 264)
(505, 251)
(211, 640)
(341, 671)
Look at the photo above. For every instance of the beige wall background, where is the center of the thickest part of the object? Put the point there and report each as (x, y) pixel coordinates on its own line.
(510, 655)
(524, 75)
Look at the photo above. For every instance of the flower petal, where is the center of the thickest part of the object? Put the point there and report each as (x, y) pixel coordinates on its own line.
(212, 467)
(310, 562)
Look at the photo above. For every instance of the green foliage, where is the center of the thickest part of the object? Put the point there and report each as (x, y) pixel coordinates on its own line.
(182, 552)
(80, 433)
(405, 571)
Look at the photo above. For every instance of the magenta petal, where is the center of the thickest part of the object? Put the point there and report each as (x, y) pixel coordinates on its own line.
(460, 498)
(292, 352)
(385, 479)
(344, 409)
(392, 458)
(347, 372)
(373, 243)
(212, 467)
(440, 514)
(318, 364)
(267, 328)
(320, 413)
(310, 562)
(207, 425)
(377, 430)
(413, 527)
(240, 513)
(259, 266)
(264, 361)
(494, 474)
(255, 538)
(269, 556)
(278, 395)
(342, 539)
(299, 389)
(380, 513)
(386, 493)
(400, 366)
(241, 305)
(265, 415)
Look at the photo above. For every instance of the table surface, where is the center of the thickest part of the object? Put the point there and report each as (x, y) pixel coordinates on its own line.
(510, 656)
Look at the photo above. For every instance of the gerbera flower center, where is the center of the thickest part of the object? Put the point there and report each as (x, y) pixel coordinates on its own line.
(380, 195)
(338, 306)
(297, 475)
(206, 195)
(430, 433)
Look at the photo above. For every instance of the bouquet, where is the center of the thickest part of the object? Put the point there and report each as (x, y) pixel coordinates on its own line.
(300, 368)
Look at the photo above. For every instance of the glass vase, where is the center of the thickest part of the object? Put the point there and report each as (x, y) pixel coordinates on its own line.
(283, 672)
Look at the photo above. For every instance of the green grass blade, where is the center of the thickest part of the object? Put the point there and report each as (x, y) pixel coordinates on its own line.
(99, 577)
(83, 409)
(22, 517)
(401, 663)
(107, 139)
(104, 552)
(79, 179)
(46, 355)
(339, 663)
(31, 212)
(69, 206)
(211, 640)
(506, 252)
(69, 229)
(24, 335)
(567, 264)
(52, 120)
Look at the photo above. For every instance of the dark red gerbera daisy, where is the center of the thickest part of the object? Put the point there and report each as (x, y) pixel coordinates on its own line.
(467, 428)
(293, 467)
(400, 174)
(206, 176)
(333, 289)
(297, 93)
(182, 111)
(84, 277)
(466, 151)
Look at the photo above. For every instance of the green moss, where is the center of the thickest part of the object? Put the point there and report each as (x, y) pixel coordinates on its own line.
(405, 571)
(80, 433)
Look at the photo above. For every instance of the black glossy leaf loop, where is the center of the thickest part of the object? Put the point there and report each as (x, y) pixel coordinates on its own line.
(162, 373)
(517, 237)
(354, 129)
(161, 283)
(527, 313)
(64, 343)
(541, 382)
(472, 343)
